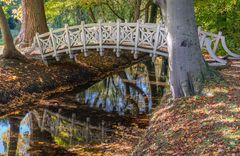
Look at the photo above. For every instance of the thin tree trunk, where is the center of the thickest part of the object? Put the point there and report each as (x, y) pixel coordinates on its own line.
(153, 13)
(151, 77)
(146, 16)
(137, 10)
(9, 50)
(91, 13)
(164, 74)
(187, 66)
(33, 21)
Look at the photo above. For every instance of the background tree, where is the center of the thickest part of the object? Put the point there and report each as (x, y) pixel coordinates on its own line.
(9, 50)
(33, 21)
(14, 132)
(223, 16)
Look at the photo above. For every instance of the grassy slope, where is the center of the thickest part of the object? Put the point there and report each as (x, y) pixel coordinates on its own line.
(198, 125)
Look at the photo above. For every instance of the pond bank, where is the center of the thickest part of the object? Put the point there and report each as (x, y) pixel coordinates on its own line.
(20, 78)
(200, 125)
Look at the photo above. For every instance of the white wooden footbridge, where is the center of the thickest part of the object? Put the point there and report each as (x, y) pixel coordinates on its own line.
(137, 38)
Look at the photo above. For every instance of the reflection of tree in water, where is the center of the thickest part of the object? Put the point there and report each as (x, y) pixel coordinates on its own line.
(131, 91)
(23, 136)
(14, 133)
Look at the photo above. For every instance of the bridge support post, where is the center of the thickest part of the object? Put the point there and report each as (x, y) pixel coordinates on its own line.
(156, 43)
(54, 45)
(136, 39)
(118, 38)
(100, 40)
(84, 38)
(68, 41)
(40, 48)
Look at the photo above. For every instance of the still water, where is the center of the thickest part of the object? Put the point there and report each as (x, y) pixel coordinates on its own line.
(129, 93)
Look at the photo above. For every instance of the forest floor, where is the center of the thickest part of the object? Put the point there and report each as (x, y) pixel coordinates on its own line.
(200, 125)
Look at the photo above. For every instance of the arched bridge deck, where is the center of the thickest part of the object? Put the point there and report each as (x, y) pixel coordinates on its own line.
(137, 37)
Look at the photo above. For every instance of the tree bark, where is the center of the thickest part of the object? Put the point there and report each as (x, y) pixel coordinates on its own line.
(164, 75)
(33, 21)
(91, 14)
(187, 66)
(146, 10)
(137, 10)
(153, 13)
(9, 50)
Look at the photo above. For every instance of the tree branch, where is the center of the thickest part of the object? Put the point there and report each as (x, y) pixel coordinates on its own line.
(114, 12)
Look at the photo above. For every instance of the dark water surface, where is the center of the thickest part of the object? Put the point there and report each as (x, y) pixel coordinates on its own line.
(118, 98)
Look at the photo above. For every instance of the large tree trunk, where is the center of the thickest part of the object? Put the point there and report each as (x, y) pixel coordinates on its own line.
(33, 21)
(14, 132)
(9, 50)
(187, 66)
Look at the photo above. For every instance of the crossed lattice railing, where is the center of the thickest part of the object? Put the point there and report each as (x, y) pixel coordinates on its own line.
(136, 37)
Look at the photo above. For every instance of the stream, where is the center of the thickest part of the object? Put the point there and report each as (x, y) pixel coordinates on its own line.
(88, 116)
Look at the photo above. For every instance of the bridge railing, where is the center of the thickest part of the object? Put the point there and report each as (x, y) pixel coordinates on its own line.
(210, 42)
(136, 37)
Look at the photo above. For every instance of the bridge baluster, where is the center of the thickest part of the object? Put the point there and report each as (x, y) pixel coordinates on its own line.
(54, 44)
(68, 41)
(100, 37)
(118, 38)
(136, 40)
(217, 41)
(156, 42)
(40, 48)
(84, 38)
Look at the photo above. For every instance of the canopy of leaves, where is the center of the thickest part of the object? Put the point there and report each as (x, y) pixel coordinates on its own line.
(75, 11)
(221, 15)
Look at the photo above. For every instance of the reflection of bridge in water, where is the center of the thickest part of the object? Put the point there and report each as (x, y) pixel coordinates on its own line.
(71, 130)
(149, 38)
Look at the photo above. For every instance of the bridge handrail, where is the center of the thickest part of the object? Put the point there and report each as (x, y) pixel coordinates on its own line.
(136, 37)
(211, 41)
(144, 37)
